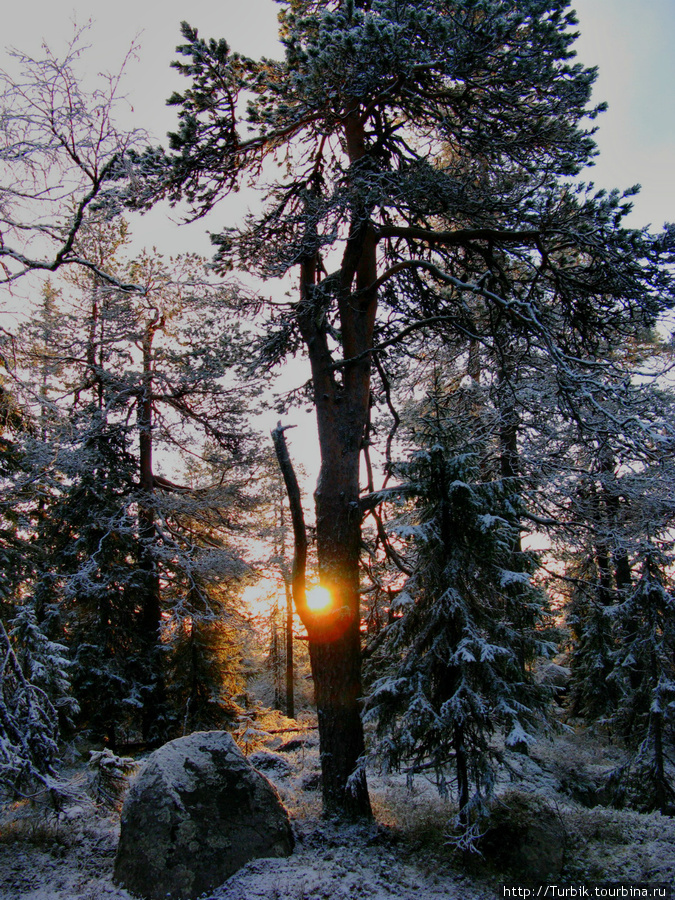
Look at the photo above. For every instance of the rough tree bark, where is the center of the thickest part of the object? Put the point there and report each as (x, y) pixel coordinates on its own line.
(341, 398)
(334, 641)
(151, 598)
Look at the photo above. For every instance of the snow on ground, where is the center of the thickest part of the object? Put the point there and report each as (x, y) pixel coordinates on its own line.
(69, 860)
(402, 857)
(332, 863)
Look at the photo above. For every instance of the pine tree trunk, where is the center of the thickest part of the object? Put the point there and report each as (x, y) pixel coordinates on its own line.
(462, 770)
(334, 638)
(656, 727)
(341, 399)
(337, 686)
(335, 648)
(290, 692)
(509, 464)
(275, 656)
(151, 598)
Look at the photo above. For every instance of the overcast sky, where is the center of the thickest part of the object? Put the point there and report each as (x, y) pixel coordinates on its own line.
(632, 43)
(630, 40)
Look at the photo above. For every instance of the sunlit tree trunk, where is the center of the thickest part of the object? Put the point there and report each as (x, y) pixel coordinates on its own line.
(341, 398)
(290, 686)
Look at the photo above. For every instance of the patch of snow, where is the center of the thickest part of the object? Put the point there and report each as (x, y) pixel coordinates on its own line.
(270, 763)
(507, 577)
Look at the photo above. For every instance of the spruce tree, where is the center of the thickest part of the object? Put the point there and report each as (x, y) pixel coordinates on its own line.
(28, 730)
(15, 551)
(97, 565)
(454, 668)
(121, 385)
(607, 492)
(645, 675)
(204, 670)
(45, 663)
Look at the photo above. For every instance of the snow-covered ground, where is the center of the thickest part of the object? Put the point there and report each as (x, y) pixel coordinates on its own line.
(402, 857)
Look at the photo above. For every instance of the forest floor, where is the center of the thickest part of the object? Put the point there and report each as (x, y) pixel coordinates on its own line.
(404, 856)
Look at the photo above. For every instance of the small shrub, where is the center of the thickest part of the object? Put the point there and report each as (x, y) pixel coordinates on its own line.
(525, 837)
(109, 777)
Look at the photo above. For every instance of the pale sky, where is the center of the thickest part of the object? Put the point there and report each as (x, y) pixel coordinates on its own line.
(632, 43)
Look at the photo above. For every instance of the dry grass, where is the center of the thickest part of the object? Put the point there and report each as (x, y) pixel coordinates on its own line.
(620, 845)
(23, 824)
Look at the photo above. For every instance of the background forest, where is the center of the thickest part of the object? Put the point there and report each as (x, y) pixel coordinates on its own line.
(490, 357)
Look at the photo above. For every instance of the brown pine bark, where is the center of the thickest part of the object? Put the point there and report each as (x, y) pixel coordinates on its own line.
(290, 671)
(341, 396)
(334, 646)
(334, 639)
(151, 597)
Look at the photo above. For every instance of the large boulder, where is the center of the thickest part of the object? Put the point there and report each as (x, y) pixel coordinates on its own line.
(197, 812)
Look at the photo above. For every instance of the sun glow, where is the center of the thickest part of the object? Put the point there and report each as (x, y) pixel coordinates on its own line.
(318, 599)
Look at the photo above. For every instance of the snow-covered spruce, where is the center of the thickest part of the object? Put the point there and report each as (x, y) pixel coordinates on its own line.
(645, 674)
(453, 668)
(28, 730)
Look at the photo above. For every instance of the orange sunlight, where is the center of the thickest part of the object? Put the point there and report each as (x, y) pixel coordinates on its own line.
(318, 599)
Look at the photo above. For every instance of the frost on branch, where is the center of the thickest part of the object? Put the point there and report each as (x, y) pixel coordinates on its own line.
(58, 146)
(44, 662)
(28, 730)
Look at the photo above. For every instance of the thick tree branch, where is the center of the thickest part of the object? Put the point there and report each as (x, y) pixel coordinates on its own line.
(299, 570)
(459, 237)
(371, 501)
(400, 336)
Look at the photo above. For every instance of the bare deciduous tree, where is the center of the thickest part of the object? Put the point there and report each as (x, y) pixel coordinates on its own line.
(59, 143)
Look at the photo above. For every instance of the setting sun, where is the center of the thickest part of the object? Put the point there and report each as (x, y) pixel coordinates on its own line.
(318, 599)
